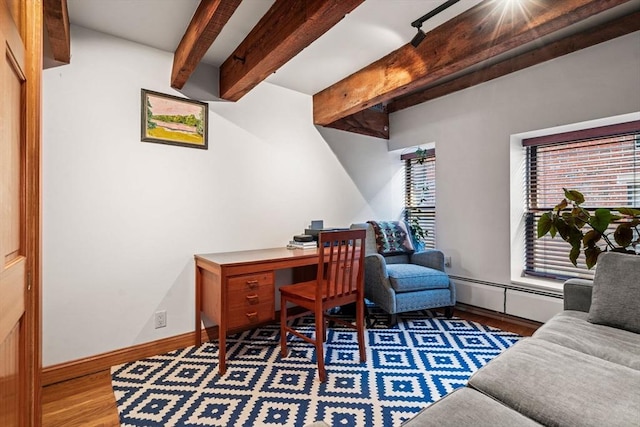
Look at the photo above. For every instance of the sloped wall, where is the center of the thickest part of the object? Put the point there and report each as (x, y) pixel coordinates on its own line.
(123, 218)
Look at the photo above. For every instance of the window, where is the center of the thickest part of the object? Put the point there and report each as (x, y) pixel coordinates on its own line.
(602, 163)
(420, 192)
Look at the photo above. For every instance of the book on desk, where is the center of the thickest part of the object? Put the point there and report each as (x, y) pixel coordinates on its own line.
(302, 245)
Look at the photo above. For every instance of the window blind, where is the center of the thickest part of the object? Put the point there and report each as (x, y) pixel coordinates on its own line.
(601, 163)
(420, 192)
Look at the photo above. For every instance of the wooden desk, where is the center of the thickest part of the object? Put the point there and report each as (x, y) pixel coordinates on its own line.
(237, 289)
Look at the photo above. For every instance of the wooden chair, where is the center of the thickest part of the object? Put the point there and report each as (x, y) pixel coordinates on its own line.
(340, 281)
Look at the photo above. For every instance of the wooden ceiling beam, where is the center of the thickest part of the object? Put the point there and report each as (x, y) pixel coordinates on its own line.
(602, 33)
(207, 22)
(56, 19)
(371, 122)
(481, 33)
(287, 28)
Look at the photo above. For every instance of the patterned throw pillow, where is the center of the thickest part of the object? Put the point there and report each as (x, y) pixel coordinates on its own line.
(392, 237)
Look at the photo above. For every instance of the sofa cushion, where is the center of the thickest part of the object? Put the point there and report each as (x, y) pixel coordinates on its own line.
(555, 385)
(392, 237)
(467, 407)
(572, 330)
(412, 277)
(616, 291)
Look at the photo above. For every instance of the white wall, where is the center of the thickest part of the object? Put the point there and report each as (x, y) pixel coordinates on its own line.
(122, 218)
(472, 131)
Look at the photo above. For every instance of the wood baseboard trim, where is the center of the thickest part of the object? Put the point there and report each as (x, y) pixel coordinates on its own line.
(90, 365)
(497, 315)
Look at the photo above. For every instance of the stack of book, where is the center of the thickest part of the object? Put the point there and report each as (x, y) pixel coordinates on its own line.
(302, 245)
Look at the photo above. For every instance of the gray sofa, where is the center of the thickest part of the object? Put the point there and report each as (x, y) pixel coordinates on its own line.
(581, 368)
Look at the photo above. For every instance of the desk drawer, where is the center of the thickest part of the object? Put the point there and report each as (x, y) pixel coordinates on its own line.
(248, 317)
(250, 300)
(250, 282)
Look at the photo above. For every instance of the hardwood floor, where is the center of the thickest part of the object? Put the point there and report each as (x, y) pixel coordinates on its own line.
(89, 400)
(84, 401)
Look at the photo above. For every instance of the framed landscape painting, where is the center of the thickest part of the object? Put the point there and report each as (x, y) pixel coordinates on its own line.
(168, 119)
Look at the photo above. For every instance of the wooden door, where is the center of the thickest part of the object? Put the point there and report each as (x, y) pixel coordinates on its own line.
(19, 206)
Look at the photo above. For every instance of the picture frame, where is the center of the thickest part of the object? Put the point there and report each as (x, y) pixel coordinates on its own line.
(168, 119)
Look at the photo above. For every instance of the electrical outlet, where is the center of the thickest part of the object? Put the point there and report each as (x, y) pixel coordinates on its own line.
(160, 319)
(447, 261)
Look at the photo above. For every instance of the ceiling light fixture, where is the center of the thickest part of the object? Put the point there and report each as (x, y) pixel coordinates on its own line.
(417, 39)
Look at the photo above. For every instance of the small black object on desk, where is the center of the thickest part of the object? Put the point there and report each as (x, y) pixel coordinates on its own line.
(315, 232)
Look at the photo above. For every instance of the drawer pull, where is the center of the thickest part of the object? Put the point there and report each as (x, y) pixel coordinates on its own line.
(252, 317)
(252, 284)
(252, 299)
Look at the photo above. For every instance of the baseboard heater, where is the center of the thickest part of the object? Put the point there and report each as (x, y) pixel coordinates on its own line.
(519, 288)
(505, 288)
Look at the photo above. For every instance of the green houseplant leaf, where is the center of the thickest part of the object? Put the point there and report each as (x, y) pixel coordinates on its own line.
(574, 254)
(544, 224)
(591, 256)
(561, 227)
(591, 238)
(581, 216)
(560, 206)
(575, 237)
(568, 219)
(574, 196)
(601, 220)
(629, 211)
(623, 235)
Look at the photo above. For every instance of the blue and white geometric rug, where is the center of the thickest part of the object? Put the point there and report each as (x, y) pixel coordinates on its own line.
(408, 366)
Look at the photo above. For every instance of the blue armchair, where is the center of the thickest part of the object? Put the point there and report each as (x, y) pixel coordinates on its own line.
(406, 282)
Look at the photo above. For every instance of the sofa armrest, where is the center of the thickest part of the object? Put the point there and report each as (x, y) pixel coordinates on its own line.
(577, 294)
(432, 258)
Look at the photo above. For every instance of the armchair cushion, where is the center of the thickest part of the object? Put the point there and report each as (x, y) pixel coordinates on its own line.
(392, 237)
(616, 292)
(412, 277)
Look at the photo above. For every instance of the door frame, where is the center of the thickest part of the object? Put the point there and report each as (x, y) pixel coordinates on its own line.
(31, 25)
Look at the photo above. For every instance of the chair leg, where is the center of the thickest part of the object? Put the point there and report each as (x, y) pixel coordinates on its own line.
(448, 312)
(368, 317)
(360, 325)
(319, 344)
(325, 328)
(283, 325)
(393, 319)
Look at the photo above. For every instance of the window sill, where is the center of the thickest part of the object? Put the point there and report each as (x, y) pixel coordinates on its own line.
(547, 285)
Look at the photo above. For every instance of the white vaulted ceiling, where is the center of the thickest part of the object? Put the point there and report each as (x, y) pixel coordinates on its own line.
(353, 56)
(372, 30)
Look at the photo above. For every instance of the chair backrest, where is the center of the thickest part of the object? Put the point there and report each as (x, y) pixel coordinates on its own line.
(341, 264)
